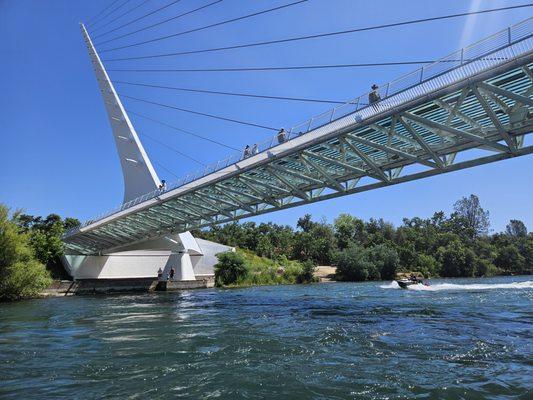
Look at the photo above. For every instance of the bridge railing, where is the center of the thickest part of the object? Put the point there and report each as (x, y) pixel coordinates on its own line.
(484, 54)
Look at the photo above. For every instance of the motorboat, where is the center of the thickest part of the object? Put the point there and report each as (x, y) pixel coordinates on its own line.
(405, 283)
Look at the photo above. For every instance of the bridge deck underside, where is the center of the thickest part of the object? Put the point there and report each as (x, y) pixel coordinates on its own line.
(492, 115)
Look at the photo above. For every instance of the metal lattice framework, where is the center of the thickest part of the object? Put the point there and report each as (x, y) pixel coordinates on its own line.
(403, 138)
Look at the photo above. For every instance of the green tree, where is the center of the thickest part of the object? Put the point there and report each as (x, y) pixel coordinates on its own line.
(348, 230)
(305, 223)
(456, 260)
(516, 228)
(477, 219)
(45, 239)
(21, 275)
(509, 259)
(385, 260)
(426, 265)
(265, 247)
(231, 268)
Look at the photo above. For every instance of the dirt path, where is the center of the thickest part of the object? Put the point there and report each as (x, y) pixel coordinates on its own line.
(325, 273)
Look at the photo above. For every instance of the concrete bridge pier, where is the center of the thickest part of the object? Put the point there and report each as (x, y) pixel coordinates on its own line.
(191, 258)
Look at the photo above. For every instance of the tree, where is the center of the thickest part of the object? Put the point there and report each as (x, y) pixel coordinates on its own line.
(348, 230)
(477, 219)
(45, 239)
(21, 275)
(509, 259)
(516, 228)
(385, 260)
(305, 223)
(456, 260)
(264, 247)
(230, 268)
(70, 223)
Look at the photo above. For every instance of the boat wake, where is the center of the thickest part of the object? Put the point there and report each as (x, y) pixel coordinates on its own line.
(453, 286)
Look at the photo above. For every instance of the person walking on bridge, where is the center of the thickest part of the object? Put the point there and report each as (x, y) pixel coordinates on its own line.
(282, 136)
(373, 96)
(255, 149)
(247, 152)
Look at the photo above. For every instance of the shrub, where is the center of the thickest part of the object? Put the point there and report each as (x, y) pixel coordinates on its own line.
(21, 275)
(485, 268)
(230, 268)
(306, 274)
(352, 264)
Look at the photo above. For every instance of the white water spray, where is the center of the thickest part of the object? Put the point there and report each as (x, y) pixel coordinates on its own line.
(454, 286)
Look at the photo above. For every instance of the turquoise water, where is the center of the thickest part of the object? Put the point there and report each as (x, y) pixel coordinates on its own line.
(459, 339)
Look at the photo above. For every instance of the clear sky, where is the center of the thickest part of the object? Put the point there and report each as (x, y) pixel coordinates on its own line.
(56, 148)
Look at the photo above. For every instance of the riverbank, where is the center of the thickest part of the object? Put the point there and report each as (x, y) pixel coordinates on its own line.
(124, 286)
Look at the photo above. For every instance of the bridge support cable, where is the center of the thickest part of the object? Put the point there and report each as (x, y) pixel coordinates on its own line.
(122, 15)
(200, 113)
(269, 68)
(138, 18)
(315, 36)
(208, 26)
(160, 22)
(96, 17)
(122, 4)
(257, 96)
(183, 131)
(173, 149)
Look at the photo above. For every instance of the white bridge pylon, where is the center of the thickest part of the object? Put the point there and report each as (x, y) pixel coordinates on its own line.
(478, 98)
(137, 170)
(181, 252)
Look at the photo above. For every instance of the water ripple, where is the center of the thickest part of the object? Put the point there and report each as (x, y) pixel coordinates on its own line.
(461, 339)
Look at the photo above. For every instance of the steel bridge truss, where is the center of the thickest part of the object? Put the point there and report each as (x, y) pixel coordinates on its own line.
(492, 116)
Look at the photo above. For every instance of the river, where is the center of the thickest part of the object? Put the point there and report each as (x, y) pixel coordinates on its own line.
(461, 338)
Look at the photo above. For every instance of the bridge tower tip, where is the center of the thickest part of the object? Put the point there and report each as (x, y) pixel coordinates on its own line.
(139, 176)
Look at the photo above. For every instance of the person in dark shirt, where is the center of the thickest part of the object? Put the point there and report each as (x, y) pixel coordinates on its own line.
(282, 136)
(247, 152)
(373, 96)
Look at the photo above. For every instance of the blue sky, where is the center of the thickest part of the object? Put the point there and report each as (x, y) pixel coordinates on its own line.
(56, 149)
